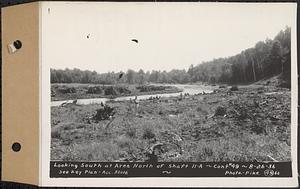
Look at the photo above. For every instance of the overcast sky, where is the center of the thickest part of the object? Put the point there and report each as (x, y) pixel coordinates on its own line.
(97, 36)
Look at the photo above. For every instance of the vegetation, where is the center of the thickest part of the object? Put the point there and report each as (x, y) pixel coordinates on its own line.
(234, 123)
(250, 124)
(266, 59)
(83, 91)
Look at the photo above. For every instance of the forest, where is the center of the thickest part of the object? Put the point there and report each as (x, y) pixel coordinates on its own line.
(266, 59)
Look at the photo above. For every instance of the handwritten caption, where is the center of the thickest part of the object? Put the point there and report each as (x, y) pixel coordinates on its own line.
(143, 169)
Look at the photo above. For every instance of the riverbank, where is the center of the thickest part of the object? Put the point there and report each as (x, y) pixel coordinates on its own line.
(249, 123)
(74, 91)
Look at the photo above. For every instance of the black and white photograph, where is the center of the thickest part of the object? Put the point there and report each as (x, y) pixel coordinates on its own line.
(162, 82)
(150, 94)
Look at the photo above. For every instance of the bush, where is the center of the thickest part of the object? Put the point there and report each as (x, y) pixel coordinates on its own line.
(149, 88)
(234, 88)
(257, 129)
(131, 132)
(285, 85)
(104, 113)
(123, 90)
(243, 113)
(53, 93)
(220, 111)
(94, 90)
(55, 132)
(148, 133)
(110, 91)
(66, 90)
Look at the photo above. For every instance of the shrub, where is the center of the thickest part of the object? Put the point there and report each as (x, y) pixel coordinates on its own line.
(220, 111)
(149, 88)
(53, 93)
(131, 132)
(66, 90)
(94, 90)
(202, 110)
(110, 91)
(55, 132)
(123, 90)
(234, 88)
(243, 113)
(148, 133)
(257, 129)
(104, 113)
(285, 85)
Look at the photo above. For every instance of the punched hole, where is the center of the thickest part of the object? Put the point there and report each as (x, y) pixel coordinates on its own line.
(16, 147)
(17, 44)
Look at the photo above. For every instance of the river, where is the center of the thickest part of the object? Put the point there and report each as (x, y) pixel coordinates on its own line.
(191, 89)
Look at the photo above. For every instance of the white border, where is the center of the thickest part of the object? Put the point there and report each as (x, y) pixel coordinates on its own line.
(45, 135)
(40, 92)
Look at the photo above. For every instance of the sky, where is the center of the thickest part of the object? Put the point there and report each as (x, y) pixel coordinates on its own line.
(98, 36)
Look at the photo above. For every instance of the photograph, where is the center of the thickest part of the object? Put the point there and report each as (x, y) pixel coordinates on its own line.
(162, 82)
(150, 94)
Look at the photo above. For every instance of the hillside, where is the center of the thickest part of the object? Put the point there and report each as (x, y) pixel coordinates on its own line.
(267, 59)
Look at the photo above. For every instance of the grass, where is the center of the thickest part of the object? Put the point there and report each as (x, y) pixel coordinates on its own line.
(243, 125)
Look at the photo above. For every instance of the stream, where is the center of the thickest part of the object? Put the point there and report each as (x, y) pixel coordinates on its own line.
(191, 89)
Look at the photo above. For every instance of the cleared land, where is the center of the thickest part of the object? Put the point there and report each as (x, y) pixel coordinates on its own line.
(248, 123)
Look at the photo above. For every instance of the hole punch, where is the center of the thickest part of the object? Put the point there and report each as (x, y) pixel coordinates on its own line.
(17, 44)
(16, 147)
(14, 46)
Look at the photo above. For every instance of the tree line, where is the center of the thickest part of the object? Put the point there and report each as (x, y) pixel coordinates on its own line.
(131, 77)
(266, 59)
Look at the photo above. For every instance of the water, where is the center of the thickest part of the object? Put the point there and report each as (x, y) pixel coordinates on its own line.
(191, 89)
